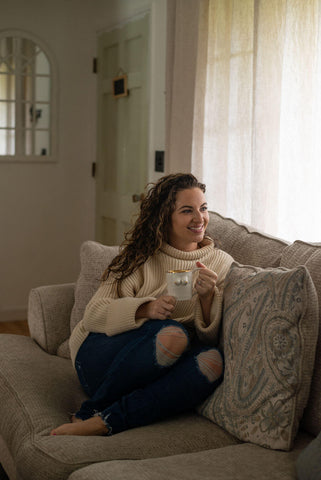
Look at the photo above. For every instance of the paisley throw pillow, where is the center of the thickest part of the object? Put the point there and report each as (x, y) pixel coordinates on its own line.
(269, 335)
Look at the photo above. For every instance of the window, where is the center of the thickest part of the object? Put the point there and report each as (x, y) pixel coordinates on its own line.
(26, 100)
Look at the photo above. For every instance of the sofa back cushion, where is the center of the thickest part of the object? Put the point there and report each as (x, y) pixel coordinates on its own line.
(94, 259)
(246, 245)
(309, 254)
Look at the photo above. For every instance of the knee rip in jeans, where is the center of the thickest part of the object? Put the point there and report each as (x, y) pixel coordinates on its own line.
(171, 342)
(210, 364)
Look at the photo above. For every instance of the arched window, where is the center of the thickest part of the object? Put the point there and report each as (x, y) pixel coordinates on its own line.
(26, 99)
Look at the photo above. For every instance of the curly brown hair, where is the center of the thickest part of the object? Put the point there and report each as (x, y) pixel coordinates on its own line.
(152, 226)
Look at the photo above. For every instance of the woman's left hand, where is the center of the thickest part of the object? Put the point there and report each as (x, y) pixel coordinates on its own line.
(205, 282)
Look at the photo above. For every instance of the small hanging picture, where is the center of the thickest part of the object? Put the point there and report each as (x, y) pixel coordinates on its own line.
(120, 86)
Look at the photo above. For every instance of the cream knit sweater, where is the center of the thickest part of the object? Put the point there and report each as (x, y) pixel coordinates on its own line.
(109, 314)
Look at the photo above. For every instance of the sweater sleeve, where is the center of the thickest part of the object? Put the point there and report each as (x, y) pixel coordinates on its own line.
(106, 313)
(209, 333)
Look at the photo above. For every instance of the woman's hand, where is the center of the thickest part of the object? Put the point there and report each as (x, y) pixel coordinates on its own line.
(205, 282)
(158, 309)
(205, 285)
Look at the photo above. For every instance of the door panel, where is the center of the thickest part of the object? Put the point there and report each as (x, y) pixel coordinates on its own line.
(122, 129)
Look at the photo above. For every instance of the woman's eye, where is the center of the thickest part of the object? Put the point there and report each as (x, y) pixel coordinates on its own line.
(203, 209)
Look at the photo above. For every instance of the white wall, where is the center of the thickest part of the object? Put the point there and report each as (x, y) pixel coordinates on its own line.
(47, 210)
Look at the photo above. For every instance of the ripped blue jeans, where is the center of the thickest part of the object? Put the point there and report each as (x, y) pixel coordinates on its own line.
(141, 376)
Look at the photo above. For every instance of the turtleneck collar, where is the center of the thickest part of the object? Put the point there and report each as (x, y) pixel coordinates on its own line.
(193, 254)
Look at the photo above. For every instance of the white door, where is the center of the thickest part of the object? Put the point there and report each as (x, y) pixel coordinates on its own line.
(121, 172)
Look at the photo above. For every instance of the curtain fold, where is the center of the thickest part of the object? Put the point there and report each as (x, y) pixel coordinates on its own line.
(184, 53)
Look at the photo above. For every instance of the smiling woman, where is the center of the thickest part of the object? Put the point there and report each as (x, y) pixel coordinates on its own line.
(137, 345)
(189, 219)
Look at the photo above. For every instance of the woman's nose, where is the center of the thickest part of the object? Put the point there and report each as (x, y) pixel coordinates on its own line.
(198, 216)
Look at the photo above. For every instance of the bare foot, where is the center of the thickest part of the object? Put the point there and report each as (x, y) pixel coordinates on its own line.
(75, 419)
(92, 426)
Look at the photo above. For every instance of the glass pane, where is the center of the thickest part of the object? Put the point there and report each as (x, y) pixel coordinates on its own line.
(42, 63)
(42, 115)
(42, 93)
(28, 142)
(7, 87)
(7, 117)
(26, 88)
(11, 64)
(28, 49)
(42, 143)
(27, 68)
(6, 66)
(7, 142)
(36, 142)
(36, 115)
(3, 47)
(6, 52)
(28, 114)
(28, 56)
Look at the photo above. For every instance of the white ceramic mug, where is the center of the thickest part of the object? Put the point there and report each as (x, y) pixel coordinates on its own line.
(180, 283)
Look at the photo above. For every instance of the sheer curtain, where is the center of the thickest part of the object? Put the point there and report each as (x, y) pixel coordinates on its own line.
(244, 108)
(262, 130)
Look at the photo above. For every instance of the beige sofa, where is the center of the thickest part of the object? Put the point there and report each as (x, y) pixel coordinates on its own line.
(235, 434)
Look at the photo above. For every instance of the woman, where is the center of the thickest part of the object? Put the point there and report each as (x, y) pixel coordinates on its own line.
(140, 355)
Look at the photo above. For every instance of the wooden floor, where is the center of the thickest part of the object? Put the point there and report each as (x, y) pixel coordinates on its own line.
(19, 327)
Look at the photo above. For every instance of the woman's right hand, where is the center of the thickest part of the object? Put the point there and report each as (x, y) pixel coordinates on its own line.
(158, 309)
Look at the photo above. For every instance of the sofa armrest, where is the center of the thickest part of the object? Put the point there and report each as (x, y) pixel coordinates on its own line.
(49, 312)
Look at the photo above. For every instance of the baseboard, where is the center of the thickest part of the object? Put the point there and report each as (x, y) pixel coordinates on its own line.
(13, 314)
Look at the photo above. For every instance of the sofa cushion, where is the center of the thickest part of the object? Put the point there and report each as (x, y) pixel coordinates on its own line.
(37, 393)
(309, 254)
(246, 245)
(245, 461)
(49, 310)
(270, 326)
(308, 465)
(94, 259)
